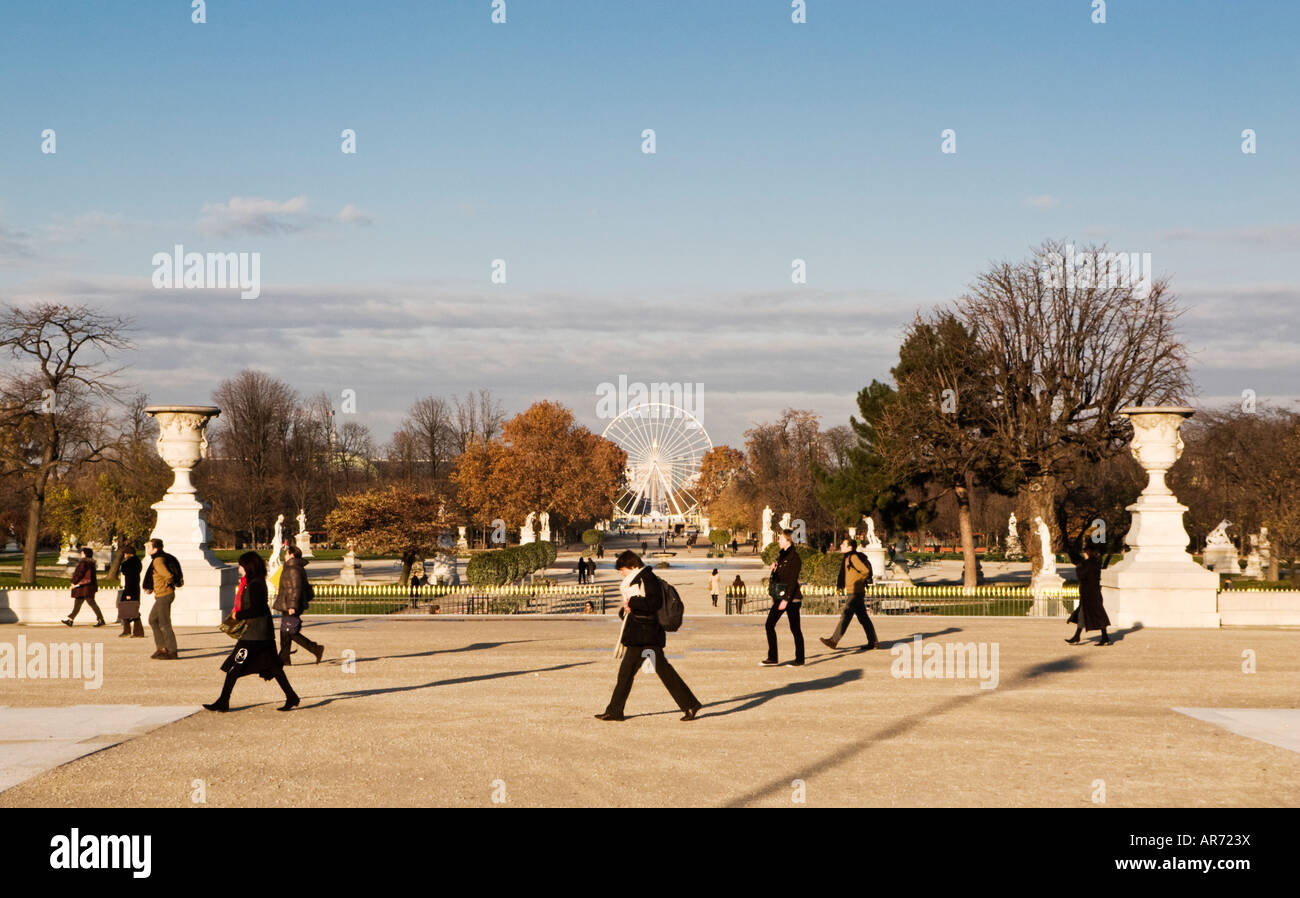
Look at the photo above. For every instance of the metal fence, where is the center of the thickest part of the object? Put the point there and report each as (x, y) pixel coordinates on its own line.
(987, 601)
(338, 598)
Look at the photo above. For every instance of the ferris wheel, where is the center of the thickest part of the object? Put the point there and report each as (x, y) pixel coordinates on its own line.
(665, 445)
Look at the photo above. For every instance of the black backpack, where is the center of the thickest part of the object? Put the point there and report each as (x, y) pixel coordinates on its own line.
(671, 608)
(307, 594)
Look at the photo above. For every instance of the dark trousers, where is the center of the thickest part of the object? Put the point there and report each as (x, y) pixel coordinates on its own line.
(632, 661)
(791, 609)
(89, 600)
(855, 606)
(229, 686)
(291, 632)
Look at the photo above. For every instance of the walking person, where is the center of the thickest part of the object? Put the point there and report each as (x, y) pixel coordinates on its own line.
(162, 578)
(255, 652)
(85, 583)
(128, 603)
(591, 571)
(643, 639)
(786, 598)
(291, 600)
(738, 591)
(715, 586)
(582, 571)
(1090, 614)
(855, 577)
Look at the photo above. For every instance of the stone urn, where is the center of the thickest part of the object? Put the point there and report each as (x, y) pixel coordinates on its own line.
(1157, 583)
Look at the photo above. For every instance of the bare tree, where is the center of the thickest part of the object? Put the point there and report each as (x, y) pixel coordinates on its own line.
(47, 411)
(429, 422)
(257, 420)
(1068, 350)
(478, 419)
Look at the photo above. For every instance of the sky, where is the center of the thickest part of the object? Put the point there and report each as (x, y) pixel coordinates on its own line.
(523, 142)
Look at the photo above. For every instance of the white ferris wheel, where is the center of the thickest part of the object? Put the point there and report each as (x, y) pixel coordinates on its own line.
(665, 445)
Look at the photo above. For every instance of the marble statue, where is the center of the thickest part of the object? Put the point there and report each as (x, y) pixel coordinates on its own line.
(303, 538)
(1220, 553)
(871, 539)
(1014, 548)
(526, 533)
(545, 518)
(768, 537)
(1045, 546)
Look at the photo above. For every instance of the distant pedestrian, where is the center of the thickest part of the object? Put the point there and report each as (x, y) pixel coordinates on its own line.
(715, 586)
(855, 576)
(600, 550)
(735, 546)
(645, 547)
(162, 578)
(582, 571)
(661, 540)
(643, 639)
(786, 598)
(85, 584)
(591, 570)
(738, 591)
(128, 604)
(1090, 613)
(255, 652)
(291, 600)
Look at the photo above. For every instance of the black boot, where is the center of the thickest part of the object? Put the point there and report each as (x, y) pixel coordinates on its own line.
(290, 697)
(126, 629)
(223, 703)
(1074, 640)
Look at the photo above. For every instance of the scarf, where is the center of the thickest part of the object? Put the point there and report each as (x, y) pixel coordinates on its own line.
(239, 592)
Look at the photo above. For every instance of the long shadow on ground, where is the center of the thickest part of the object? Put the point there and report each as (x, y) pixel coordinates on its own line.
(364, 693)
(853, 749)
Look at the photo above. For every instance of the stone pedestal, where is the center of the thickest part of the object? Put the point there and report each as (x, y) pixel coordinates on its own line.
(1254, 566)
(1222, 559)
(209, 590)
(303, 541)
(350, 575)
(462, 542)
(1157, 584)
(1046, 588)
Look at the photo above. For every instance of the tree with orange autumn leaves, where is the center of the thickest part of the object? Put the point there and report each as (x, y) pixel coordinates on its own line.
(543, 461)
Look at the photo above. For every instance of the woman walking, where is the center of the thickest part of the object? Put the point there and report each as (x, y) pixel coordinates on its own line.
(255, 651)
(1091, 612)
(128, 606)
(84, 586)
(715, 586)
(786, 598)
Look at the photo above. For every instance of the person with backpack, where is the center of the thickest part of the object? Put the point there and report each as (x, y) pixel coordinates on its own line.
(855, 577)
(291, 600)
(651, 607)
(162, 578)
(85, 583)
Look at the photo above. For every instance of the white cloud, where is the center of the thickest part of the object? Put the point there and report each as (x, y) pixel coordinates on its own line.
(1042, 201)
(84, 225)
(1285, 236)
(350, 214)
(255, 215)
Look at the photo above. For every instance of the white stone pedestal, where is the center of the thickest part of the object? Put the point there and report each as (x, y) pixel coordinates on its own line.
(1222, 560)
(209, 590)
(1046, 588)
(1157, 584)
(304, 544)
(351, 572)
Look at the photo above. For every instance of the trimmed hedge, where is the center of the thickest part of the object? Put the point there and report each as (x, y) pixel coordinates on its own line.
(497, 567)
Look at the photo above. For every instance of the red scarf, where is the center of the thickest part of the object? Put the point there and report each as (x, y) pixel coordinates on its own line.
(243, 581)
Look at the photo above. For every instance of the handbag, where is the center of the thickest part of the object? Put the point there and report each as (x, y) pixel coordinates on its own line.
(234, 628)
(777, 590)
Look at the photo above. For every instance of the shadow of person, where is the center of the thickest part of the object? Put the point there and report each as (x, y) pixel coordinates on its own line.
(475, 647)
(455, 681)
(755, 699)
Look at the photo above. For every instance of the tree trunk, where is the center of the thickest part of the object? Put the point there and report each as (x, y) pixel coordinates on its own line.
(1038, 500)
(408, 561)
(33, 537)
(970, 577)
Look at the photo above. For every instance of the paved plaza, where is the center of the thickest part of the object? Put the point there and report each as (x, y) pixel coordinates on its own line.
(447, 711)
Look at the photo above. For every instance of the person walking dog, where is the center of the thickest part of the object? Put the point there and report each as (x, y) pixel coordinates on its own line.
(128, 604)
(855, 577)
(85, 584)
(643, 639)
(162, 578)
(291, 600)
(786, 598)
(255, 652)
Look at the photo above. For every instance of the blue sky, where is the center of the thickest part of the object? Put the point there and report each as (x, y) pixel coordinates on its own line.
(522, 142)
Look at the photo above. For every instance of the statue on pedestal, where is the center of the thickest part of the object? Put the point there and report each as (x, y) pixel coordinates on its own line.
(303, 538)
(871, 539)
(768, 536)
(1045, 547)
(545, 518)
(1220, 553)
(277, 550)
(526, 533)
(1014, 549)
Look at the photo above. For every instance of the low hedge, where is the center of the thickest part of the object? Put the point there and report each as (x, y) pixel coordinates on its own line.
(497, 567)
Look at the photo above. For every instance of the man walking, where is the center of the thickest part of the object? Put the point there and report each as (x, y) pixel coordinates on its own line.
(291, 600)
(582, 571)
(786, 598)
(162, 579)
(855, 577)
(84, 586)
(643, 639)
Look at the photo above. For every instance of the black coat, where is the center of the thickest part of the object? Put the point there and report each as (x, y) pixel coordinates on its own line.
(130, 570)
(1091, 613)
(255, 652)
(788, 566)
(643, 628)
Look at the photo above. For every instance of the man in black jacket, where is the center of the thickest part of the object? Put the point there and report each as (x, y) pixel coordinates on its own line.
(786, 598)
(643, 639)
